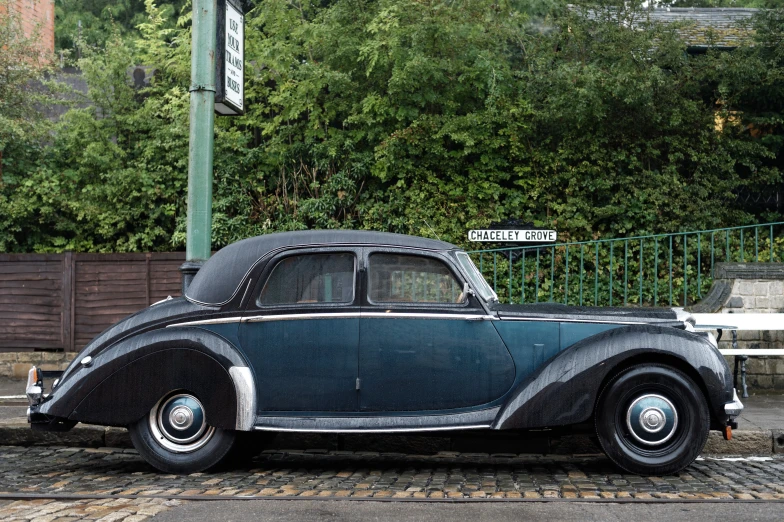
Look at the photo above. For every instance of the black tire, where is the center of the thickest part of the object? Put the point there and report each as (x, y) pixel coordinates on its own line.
(652, 420)
(208, 450)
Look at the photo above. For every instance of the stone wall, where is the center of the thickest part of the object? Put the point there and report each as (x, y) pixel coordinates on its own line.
(751, 288)
(17, 364)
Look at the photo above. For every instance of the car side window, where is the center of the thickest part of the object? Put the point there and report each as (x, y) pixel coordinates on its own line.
(310, 278)
(402, 278)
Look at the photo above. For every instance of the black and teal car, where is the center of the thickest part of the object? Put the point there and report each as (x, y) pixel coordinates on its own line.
(366, 332)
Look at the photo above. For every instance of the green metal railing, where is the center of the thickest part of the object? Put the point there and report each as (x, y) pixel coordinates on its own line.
(665, 269)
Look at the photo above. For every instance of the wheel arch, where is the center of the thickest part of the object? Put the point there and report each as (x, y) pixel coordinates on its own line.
(123, 382)
(565, 389)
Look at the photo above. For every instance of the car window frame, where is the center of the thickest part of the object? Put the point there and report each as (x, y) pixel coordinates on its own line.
(254, 303)
(438, 256)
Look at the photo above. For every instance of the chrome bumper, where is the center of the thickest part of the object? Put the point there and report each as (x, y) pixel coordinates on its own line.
(734, 408)
(35, 386)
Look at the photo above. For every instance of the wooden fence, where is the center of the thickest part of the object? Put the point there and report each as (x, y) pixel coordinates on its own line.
(62, 301)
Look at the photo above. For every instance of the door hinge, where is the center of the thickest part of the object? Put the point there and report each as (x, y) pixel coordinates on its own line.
(358, 381)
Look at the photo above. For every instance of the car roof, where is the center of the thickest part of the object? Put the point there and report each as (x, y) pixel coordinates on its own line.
(217, 281)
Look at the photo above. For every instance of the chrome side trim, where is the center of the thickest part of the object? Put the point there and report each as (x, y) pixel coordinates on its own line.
(222, 320)
(294, 317)
(481, 419)
(246, 397)
(403, 315)
(559, 320)
(413, 315)
(373, 430)
(338, 315)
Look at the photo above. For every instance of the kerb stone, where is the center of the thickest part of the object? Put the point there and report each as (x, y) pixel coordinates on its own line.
(742, 443)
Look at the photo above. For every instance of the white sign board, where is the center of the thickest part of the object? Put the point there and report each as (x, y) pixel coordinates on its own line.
(234, 70)
(512, 236)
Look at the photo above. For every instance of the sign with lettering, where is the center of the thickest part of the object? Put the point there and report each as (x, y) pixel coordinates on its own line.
(512, 236)
(230, 60)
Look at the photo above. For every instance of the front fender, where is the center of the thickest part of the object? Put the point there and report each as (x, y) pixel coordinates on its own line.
(564, 391)
(123, 382)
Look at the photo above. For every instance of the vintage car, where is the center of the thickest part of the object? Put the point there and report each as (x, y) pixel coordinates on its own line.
(366, 332)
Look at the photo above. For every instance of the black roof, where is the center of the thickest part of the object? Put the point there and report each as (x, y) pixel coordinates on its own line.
(708, 26)
(217, 281)
(700, 27)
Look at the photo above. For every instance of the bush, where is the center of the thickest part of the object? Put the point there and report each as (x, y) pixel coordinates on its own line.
(417, 116)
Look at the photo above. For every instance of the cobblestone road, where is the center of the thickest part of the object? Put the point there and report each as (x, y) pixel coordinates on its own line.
(447, 475)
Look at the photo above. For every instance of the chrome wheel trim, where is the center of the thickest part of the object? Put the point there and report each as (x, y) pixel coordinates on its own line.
(651, 419)
(179, 424)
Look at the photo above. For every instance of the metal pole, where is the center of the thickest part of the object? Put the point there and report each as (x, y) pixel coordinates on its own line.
(200, 150)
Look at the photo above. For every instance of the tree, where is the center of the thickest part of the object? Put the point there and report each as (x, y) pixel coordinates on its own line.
(23, 95)
(93, 22)
(415, 116)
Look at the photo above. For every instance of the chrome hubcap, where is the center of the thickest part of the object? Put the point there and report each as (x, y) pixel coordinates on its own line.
(651, 419)
(181, 418)
(179, 424)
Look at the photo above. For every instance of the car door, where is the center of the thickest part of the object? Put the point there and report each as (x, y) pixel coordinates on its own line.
(301, 332)
(423, 344)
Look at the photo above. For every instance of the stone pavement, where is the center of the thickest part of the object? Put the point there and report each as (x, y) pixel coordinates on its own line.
(277, 473)
(134, 491)
(128, 489)
(106, 510)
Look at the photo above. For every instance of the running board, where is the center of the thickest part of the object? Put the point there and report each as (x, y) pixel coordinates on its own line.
(482, 419)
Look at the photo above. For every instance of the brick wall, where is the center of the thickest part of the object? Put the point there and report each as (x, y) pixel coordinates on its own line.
(37, 15)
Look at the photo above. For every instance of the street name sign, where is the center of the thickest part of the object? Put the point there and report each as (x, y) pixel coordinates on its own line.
(230, 60)
(512, 236)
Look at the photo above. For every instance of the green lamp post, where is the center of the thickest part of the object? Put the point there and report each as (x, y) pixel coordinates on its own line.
(217, 45)
(200, 150)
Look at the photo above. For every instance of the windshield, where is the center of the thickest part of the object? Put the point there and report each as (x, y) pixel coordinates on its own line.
(477, 281)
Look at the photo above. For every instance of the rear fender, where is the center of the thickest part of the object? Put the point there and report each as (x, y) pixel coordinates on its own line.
(564, 391)
(122, 383)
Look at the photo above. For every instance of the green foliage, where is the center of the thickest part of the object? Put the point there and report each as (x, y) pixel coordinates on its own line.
(25, 94)
(94, 22)
(415, 116)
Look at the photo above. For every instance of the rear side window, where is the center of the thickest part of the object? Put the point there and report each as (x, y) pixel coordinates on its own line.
(311, 278)
(401, 278)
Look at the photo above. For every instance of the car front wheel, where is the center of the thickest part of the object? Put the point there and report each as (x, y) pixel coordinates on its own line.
(175, 436)
(652, 420)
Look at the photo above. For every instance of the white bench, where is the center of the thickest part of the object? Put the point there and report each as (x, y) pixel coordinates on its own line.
(735, 322)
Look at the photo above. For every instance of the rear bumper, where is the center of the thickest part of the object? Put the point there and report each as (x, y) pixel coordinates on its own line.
(35, 396)
(735, 408)
(43, 422)
(35, 384)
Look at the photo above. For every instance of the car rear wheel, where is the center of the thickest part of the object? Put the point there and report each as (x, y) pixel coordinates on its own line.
(175, 436)
(652, 420)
